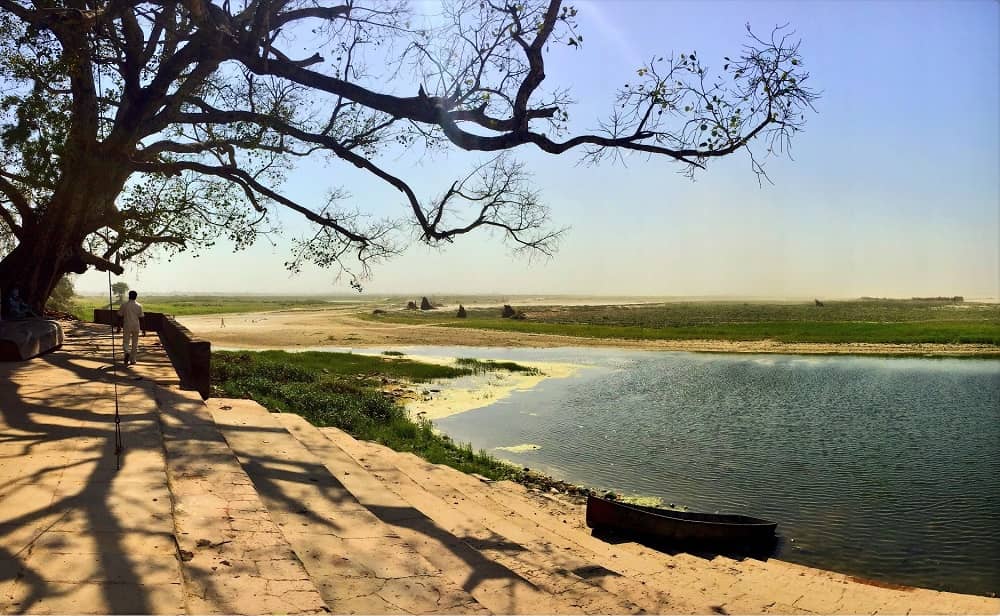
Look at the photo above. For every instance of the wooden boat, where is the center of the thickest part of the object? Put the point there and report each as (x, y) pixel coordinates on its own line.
(677, 526)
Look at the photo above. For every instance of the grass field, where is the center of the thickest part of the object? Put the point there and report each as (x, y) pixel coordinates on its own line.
(858, 321)
(343, 390)
(337, 365)
(479, 366)
(180, 305)
(865, 321)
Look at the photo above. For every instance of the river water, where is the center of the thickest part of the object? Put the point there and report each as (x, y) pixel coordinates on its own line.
(879, 467)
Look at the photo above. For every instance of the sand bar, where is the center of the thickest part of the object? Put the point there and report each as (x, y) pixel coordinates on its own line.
(340, 326)
(447, 397)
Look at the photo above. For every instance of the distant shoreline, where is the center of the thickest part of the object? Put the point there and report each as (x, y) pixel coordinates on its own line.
(341, 327)
(370, 297)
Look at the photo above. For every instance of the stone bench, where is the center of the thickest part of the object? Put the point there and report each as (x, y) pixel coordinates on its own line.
(26, 338)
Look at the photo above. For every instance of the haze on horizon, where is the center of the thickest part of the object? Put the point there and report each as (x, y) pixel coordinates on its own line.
(894, 190)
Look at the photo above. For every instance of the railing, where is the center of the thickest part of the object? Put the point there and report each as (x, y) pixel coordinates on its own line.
(190, 356)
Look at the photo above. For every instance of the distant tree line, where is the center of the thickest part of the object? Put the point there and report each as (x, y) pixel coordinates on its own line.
(954, 298)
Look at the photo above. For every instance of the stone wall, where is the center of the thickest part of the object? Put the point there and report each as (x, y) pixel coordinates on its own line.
(191, 356)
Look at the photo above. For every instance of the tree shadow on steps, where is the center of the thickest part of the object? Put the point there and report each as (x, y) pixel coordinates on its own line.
(68, 519)
(275, 476)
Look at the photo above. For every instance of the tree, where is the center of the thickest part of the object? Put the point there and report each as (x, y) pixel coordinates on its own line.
(62, 296)
(134, 128)
(120, 289)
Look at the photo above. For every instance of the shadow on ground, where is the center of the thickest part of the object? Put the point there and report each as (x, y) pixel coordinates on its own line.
(76, 532)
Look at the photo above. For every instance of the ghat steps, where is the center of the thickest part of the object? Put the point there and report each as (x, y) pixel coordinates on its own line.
(380, 531)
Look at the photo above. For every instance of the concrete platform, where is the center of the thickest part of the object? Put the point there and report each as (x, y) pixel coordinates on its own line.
(178, 528)
(78, 535)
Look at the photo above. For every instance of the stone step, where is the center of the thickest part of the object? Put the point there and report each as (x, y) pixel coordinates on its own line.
(722, 584)
(561, 518)
(722, 581)
(496, 587)
(632, 577)
(358, 563)
(554, 569)
(234, 558)
(566, 520)
(646, 576)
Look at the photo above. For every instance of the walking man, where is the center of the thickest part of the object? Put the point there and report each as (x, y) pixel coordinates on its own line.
(129, 315)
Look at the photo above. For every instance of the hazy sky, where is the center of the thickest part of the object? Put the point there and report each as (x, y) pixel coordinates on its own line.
(894, 189)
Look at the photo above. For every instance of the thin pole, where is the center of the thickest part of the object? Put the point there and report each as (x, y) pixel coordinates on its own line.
(114, 378)
(119, 447)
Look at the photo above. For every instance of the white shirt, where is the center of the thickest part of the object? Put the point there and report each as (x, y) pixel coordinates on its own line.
(131, 312)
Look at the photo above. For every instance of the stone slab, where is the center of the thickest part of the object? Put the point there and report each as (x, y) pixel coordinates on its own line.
(221, 525)
(359, 563)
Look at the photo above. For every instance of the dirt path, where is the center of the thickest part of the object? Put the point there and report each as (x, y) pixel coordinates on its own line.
(340, 327)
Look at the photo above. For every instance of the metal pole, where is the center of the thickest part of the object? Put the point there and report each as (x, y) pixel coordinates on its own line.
(114, 379)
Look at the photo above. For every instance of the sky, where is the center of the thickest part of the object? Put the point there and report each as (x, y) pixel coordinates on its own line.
(892, 190)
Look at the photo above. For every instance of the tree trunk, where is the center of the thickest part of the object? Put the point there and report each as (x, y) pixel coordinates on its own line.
(48, 250)
(52, 245)
(33, 269)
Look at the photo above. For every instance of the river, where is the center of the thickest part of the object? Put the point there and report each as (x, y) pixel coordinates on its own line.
(884, 468)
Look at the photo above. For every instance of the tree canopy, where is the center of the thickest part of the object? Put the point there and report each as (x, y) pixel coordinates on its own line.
(130, 128)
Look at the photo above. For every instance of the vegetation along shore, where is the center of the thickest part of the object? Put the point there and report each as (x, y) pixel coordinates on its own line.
(361, 395)
(863, 327)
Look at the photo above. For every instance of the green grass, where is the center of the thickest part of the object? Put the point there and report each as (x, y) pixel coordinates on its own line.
(863, 321)
(343, 364)
(183, 305)
(342, 390)
(480, 366)
(888, 333)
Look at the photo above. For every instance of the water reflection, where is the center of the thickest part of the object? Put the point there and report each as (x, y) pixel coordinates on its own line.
(884, 468)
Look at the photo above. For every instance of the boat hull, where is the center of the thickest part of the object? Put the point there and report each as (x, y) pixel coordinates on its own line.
(677, 526)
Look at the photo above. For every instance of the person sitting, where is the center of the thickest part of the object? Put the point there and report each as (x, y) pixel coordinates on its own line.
(17, 308)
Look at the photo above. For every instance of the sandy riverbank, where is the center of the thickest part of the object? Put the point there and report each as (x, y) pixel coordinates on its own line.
(340, 326)
(452, 396)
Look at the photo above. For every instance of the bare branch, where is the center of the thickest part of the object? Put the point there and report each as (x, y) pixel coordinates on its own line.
(138, 128)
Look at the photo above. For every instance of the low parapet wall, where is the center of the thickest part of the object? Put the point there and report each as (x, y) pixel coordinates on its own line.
(151, 322)
(190, 356)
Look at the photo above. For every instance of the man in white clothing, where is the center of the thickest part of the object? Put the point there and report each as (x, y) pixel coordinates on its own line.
(128, 317)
